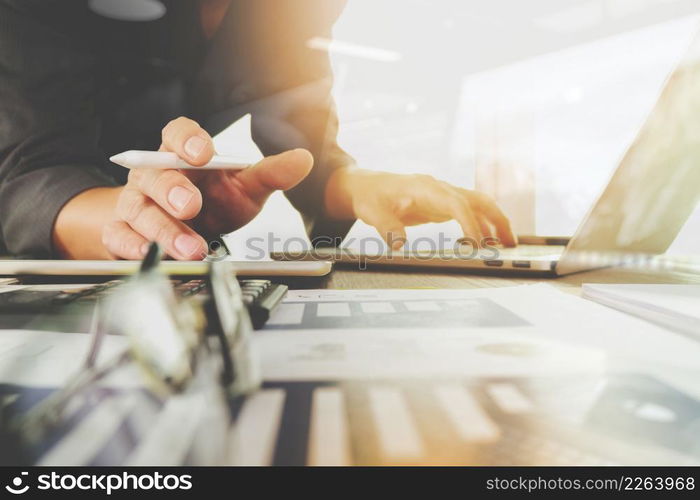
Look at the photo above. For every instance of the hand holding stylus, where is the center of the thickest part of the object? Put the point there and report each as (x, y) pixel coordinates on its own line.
(176, 208)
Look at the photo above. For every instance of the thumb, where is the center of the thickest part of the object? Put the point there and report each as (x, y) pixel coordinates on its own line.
(278, 172)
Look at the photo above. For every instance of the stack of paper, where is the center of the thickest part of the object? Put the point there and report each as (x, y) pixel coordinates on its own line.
(674, 306)
(511, 331)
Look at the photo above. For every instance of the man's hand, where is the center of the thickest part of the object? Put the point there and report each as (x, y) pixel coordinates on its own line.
(390, 202)
(177, 209)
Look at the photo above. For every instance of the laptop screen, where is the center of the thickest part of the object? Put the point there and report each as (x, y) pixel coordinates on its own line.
(656, 187)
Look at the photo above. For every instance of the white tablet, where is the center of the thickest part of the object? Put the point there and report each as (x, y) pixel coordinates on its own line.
(170, 267)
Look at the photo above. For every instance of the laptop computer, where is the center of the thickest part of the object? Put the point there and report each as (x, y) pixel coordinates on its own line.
(651, 194)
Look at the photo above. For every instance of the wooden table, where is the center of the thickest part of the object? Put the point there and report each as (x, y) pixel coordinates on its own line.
(345, 278)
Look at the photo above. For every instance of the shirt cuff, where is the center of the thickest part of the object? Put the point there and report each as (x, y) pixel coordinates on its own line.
(30, 203)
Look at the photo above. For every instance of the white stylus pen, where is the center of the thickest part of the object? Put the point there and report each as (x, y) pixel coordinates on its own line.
(164, 160)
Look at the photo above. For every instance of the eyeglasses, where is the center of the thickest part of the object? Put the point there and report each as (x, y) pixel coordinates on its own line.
(168, 340)
(230, 322)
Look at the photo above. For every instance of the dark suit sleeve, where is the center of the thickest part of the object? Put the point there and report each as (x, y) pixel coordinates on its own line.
(263, 53)
(48, 125)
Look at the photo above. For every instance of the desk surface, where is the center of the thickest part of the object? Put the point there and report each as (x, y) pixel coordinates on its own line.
(348, 279)
(361, 416)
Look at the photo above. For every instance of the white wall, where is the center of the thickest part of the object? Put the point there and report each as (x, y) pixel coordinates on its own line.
(555, 86)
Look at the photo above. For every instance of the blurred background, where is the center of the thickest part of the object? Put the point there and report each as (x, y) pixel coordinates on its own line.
(531, 101)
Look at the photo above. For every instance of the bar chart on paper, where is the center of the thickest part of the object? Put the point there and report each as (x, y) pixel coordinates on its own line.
(450, 313)
(487, 422)
(516, 421)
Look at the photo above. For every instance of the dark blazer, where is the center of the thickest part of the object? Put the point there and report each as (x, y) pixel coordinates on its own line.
(77, 87)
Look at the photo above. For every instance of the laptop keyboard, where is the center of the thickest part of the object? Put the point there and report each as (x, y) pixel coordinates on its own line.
(519, 252)
(261, 297)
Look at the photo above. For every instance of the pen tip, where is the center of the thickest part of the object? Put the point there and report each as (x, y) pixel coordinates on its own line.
(118, 159)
